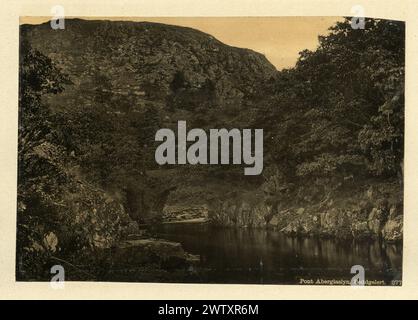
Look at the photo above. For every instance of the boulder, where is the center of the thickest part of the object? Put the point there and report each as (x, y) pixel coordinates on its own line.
(161, 248)
(274, 222)
(50, 241)
(310, 225)
(138, 235)
(393, 230)
(291, 229)
(300, 211)
(168, 254)
(376, 220)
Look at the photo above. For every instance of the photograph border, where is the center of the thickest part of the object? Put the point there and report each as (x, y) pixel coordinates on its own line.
(397, 10)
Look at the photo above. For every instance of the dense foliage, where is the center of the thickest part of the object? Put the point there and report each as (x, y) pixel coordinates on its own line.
(339, 114)
(59, 213)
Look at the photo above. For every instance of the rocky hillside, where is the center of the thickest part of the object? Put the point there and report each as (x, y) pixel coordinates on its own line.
(148, 61)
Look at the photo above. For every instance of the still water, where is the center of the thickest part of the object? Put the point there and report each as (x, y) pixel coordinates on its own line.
(256, 256)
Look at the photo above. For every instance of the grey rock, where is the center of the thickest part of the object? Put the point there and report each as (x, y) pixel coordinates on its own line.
(393, 229)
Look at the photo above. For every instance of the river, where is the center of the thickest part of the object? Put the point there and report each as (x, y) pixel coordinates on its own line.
(261, 256)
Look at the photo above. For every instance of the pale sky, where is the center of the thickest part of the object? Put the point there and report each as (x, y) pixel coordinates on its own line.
(280, 39)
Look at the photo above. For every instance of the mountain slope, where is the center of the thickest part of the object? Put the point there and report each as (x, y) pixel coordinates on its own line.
(142, 59)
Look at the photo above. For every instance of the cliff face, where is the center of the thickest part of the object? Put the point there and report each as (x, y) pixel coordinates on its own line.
(367, 215)
(142, 59)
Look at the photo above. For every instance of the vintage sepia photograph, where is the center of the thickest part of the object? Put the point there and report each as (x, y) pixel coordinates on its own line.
(226, 150)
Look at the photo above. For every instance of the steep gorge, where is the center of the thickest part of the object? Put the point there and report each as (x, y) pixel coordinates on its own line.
(128, 79)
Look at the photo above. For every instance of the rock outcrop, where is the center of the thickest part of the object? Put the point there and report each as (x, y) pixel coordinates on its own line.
(185, 213)
(367, 220)
(166, 254)
(242, 214)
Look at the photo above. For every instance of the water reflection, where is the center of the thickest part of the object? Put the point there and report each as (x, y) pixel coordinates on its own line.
(262, 256)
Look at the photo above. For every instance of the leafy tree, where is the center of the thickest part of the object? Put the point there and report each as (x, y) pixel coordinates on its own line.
(340, 112)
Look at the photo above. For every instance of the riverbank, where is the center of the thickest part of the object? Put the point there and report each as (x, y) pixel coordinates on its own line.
(244, 255)
(373, 212)
(206, 253)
